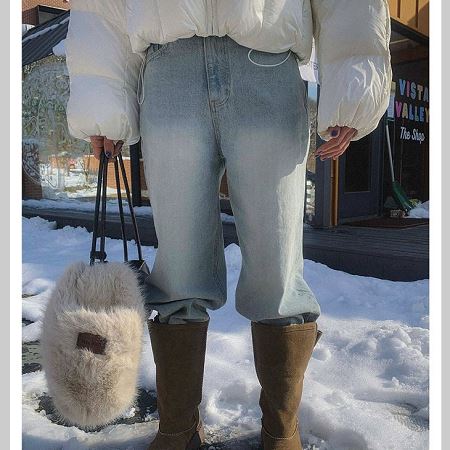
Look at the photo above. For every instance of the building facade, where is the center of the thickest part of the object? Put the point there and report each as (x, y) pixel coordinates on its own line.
(37, 12)
(356, 186)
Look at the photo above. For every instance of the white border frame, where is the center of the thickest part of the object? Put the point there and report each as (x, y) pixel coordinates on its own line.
(15, 225)
(435, 225)
(437, 166)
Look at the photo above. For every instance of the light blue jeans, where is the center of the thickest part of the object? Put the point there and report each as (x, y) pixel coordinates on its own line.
(207, 107)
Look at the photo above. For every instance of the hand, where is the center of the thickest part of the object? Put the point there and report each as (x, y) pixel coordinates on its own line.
(336, 146)
(101, 143)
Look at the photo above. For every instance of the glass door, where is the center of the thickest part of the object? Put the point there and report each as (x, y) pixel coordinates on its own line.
(359, 177)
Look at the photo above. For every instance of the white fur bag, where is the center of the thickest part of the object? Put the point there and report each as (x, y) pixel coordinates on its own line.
(92, 330)
(92, 342)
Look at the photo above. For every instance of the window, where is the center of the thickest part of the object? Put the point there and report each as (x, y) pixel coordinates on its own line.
(409, 112)
(60, 166)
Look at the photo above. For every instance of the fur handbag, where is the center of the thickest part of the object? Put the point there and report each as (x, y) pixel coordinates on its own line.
(93, 327)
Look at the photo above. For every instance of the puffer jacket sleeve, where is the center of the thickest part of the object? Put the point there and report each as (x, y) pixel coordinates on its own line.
(103, 72)
(352, 42)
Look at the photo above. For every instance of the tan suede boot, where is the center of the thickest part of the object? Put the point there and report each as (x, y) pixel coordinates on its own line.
(179, 354)
(281, 356)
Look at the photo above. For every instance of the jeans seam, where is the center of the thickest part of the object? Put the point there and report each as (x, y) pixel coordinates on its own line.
(226, 56)
(217, 133)
(211, 106)
(219, 103)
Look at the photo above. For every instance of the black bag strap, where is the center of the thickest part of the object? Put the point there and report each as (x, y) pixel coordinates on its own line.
(100, 210)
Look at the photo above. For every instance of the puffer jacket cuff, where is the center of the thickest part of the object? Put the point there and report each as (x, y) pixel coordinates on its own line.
(102, 109)
(354, 93)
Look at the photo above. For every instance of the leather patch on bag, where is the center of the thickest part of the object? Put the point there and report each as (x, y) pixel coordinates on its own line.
(92, 342)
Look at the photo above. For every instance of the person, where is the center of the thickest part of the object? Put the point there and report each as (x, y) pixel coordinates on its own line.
(214, 85)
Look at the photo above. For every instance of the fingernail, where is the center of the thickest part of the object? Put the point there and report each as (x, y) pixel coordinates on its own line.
(334, 133)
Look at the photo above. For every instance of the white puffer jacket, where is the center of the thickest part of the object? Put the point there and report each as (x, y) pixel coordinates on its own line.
(107, 39)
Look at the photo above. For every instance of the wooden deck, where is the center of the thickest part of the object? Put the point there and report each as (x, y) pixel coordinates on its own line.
(394, 254)
(389, 253)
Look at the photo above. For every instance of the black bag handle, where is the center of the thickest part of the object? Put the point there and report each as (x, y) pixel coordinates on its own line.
(100, 217)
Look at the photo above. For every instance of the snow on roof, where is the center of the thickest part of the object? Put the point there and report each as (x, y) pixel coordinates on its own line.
(60, 49)
(44, 30)
(39, 42)
(26, 27)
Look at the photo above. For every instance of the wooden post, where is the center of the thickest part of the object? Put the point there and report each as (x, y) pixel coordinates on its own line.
(334, 192)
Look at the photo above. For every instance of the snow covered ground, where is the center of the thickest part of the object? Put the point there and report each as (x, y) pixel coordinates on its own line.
(422, 210)
(366, 387)
(112, 206)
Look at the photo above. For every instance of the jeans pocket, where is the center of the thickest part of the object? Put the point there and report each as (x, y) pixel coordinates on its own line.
(151, 54)
(155, 50)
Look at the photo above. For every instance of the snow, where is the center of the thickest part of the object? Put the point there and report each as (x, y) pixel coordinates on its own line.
(366, 387)
(32, 332)
(44, 30)
(422, 210)
(89, 206)
(112, 206)
(60, 48)
(26, 27)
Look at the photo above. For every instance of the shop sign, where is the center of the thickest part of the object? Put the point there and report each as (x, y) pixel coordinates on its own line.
(411, 108)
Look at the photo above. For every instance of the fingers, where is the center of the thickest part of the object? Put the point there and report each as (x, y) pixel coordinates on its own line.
(97, 152)
(97, 145)
(112, 149)
(117, 148)
(336, 146)
(340, 152)
(109, 148)
(340, 146)
(337, 141)
(334, 132)
(100, 144)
